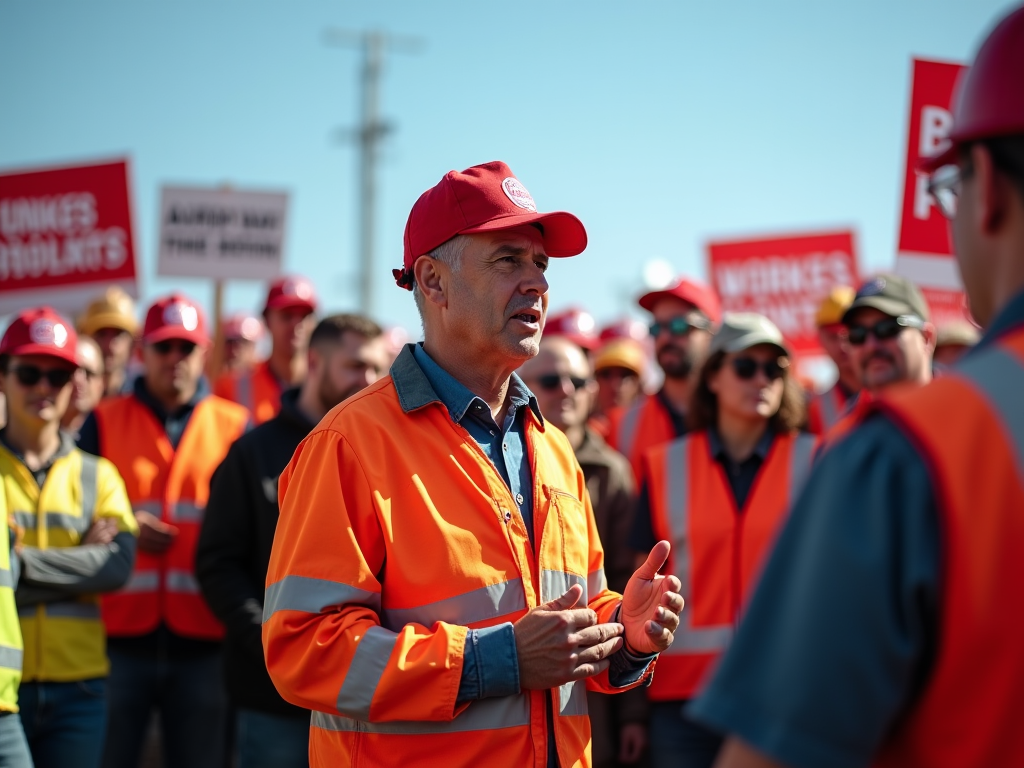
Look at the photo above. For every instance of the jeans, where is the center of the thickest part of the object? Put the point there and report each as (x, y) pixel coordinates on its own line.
(189, 695)
(13, 745)
(677, 741)
(64, 722)
(271, 741)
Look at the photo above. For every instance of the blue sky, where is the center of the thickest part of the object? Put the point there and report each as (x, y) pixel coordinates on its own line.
(661, 125)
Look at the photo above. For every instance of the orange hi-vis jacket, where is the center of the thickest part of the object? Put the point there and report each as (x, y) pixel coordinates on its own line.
(172, 485)
(969, 428)
(717, 549)
(635, 430)
(397, 535)
(256, 389)
(825, 410)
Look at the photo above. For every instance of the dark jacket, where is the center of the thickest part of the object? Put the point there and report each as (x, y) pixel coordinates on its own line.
(234, 550)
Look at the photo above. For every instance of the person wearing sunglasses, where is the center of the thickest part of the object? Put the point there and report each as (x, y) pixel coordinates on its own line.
(684, 316)
(166, 438)
(75, 538)
(89, 385)
(886, 629)
(718, 495)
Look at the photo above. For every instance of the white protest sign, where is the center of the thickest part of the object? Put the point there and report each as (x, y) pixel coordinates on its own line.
(221, 233)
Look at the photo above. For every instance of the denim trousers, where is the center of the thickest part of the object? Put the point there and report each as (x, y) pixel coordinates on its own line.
(271, 741)
(13, 745)
(188, 693)
(678, 742)
(64, 722)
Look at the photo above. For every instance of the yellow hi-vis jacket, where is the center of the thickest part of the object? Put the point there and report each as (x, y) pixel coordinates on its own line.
(64, 639)
(10, 629)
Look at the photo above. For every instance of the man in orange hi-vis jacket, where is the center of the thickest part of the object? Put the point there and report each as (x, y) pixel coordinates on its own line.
(436, 591)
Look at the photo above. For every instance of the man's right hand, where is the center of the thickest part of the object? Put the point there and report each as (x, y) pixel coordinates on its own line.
(155, 535)
(557, 643)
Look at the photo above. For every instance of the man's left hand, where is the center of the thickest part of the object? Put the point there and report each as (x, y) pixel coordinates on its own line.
(651, 604)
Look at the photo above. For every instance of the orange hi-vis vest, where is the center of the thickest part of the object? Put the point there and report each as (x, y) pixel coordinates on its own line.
(397, 535)
(256, 390)
(825, 410)
(635, 430)
(717, 549)
(172, 485)
(969, 428)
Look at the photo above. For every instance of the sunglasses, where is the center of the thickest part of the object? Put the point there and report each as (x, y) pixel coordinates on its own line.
(679, 326)
(883, 330)
(552, 381)
(30, 375)
(746, 368)
(164, 347)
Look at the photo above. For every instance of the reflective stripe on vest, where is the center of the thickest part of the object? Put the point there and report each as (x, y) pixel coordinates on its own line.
(78, 523)
(142, 581)
(628, 428)
(482, 715)
(6, 579)
(186, 512)
(830, 409)
(308, 595)
(243, 391)
(1000, 376)
(10, 658)
(65, 609)
(182, 581)
(372, 655)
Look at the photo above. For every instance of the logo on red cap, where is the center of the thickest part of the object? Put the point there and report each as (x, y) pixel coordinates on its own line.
(516, 192)
(181, 314)
(298, 288)
(49, 333)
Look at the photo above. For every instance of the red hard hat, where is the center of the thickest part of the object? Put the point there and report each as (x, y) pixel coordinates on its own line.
(576, 325)
(990, 95)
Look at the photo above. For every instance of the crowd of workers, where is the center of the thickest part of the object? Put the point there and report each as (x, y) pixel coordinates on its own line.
(456, 552)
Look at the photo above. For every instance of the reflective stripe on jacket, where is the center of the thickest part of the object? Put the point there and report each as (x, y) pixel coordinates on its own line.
(825, 410)
(172, 485)
(969, 427)
(396, 535)
(64, 640)
(717, 550)
(256, 390)
(10, 628)
(635, 430)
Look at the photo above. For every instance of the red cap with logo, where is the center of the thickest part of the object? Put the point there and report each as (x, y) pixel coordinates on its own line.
(625, 328)
(40, 331)
(242, 326)
(576, 325)
(289, 292)
(989, 98)
(175, 317)
(484, 198)
(692, 292)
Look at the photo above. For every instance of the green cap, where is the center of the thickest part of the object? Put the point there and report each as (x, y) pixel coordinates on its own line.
(892, 294)
(743, 330)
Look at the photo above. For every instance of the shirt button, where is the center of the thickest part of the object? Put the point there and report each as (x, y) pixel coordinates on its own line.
(492, 431)
(508, 515)
(519, 499)
(504, 446)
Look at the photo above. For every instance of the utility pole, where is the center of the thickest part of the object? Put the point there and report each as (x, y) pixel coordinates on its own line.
(368, 135)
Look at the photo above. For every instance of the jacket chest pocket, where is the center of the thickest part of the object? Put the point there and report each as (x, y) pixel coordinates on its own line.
(566, 545)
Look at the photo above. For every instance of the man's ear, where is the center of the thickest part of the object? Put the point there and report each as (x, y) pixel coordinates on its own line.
(432, 280)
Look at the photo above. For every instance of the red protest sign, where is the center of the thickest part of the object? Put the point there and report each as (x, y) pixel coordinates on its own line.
(783, 278)
(65, 234)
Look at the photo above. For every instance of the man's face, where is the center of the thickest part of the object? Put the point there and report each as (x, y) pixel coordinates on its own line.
(833, 340)
(173, 367)
(883, 362)
(239, 354)
(496, 299)
(679, 354)
(290, 328)
(89, 376)
(345, 368)
(116, 346)
(33, 399)
(559, 377)
(616, 388)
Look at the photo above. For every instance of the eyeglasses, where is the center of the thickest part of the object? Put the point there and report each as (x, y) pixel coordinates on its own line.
(944, 187)
(30, 375)
(747, 367)
(883, 330)
(679, 326)
(164, 347)
(552, 381)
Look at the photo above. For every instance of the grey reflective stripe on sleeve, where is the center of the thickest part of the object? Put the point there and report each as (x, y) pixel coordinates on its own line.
(468, 608)
(90, 466)
(596, 583)
(64, 521)
(999, 375)
(628, 427)
(364, 672)
(482, 715)
(63, 610)
(26, 520)
(688, 639)
(572, 698)
(182, 581)
(187, 512)
(155, 507)
(302, 593)
(142, 581)
(10, 658)
(800, 464)
(243, 390)
(6, 578)
(554, 584)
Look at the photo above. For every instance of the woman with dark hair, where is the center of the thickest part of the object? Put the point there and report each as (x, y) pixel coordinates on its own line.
(719, 494)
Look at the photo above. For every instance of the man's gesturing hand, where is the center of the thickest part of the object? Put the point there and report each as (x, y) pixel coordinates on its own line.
(556, 643)
(651, 605)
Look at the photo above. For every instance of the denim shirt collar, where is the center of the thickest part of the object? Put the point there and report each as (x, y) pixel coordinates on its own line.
(419, 381)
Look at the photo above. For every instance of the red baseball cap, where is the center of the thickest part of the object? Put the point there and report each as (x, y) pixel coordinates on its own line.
(576, 325)
(291, 291)
(691, 291)
(484, 198)
(41, 331)
(625, 328)
(243, 326)
(175, 317)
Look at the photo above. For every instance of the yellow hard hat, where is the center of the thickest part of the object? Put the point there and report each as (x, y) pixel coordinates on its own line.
(834, 306)
(621, 353)
(113, 309)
